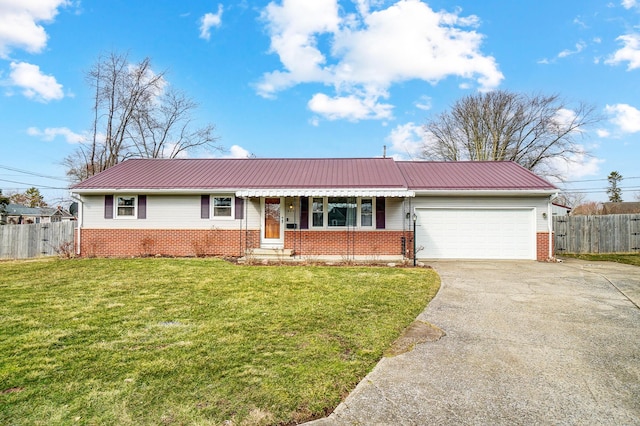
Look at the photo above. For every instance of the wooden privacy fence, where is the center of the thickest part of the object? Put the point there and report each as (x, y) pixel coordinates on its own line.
(616, 233)
(41, 239)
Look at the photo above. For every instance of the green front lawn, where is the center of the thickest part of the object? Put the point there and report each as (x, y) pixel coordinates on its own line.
(629, 258)
(193, 341)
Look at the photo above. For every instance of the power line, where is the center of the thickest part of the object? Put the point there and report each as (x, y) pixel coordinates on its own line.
(599, 180)
(33, 185)
(599, 190)
(13, 169)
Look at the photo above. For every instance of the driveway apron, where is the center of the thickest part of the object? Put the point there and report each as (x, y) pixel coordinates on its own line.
(526, 343)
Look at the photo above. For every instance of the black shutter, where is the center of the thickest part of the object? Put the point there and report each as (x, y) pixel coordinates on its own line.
(239, 208)
(304, 213)
(142, 206)
(204, 206)
(108, 206)
(380, 212)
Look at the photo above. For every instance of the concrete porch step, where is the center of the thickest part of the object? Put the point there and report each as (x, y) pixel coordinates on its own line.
(264, 253)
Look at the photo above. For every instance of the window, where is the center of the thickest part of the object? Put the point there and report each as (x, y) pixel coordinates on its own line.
(366, 212)
(341, 211)
(221, 206)
(126, 206)
(318, 213)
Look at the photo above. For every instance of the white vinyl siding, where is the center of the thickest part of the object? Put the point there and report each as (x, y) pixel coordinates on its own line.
(167, 212)
(394, 214)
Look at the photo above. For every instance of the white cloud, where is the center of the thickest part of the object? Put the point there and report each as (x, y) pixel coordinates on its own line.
(20, 24)
(630, 52)
(210, 20)
(407, 141)
(293, 27)
(34, 83)
(626, 117)
(424, 103)
(578, 21)
(362, 54)
(628, 4)
(579, 47)
(603, 133)
(578, 165)
(237, 151)
(50, 133)
(568, 52)
(564, 118)
(352, 107)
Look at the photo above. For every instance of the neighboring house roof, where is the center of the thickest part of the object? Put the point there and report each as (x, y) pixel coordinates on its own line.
(318, 176)
(621, 208)
(55, 211)
(562, 206)
(20, 210)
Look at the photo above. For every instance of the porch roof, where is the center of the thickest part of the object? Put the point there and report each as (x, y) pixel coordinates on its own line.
(324, 192)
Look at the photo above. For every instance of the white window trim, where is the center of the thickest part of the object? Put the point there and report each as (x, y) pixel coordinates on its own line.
(135, 207)
(373, 213)
(212, 207)
(325, 215)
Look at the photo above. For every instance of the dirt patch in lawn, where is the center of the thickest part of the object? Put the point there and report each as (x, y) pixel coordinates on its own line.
(417, 332)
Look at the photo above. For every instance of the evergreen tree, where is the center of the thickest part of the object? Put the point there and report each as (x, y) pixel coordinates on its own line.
(614, 191)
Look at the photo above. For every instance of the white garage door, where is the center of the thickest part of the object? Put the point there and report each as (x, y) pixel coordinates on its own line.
(475, 233)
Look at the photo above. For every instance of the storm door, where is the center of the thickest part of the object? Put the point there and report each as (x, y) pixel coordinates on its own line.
(272, 229)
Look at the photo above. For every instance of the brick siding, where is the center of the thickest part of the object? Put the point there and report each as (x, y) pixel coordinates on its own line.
(166, 242)
(542, 246)
(348, 243)
(180, 242)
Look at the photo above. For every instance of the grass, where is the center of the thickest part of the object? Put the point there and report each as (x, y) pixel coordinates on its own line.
(193, 341)
(628, 258)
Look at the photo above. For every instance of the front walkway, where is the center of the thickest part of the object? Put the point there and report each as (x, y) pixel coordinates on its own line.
(526, 343)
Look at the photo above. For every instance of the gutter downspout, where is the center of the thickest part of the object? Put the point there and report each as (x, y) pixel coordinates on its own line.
(550, 224)
(80, 220)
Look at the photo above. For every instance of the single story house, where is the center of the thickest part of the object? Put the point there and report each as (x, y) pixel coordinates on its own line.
(351, 208)
(17, 214)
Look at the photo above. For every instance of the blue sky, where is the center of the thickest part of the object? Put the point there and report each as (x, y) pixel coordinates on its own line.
(321, 78)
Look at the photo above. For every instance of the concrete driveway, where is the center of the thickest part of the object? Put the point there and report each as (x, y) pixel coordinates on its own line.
(526, 343)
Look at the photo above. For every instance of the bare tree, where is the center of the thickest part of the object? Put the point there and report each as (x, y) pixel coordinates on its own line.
(166, 131)
(135, 114)
(571, 199)
(533, 130)
(589, 208)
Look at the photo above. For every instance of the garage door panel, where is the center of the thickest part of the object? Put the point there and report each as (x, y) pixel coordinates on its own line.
(475, 233)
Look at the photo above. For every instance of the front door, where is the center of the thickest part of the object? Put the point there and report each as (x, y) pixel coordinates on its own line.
(272, 229)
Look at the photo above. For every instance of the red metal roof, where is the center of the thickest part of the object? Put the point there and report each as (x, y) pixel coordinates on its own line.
(470, 175)
(249, 173)
(236, 174)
